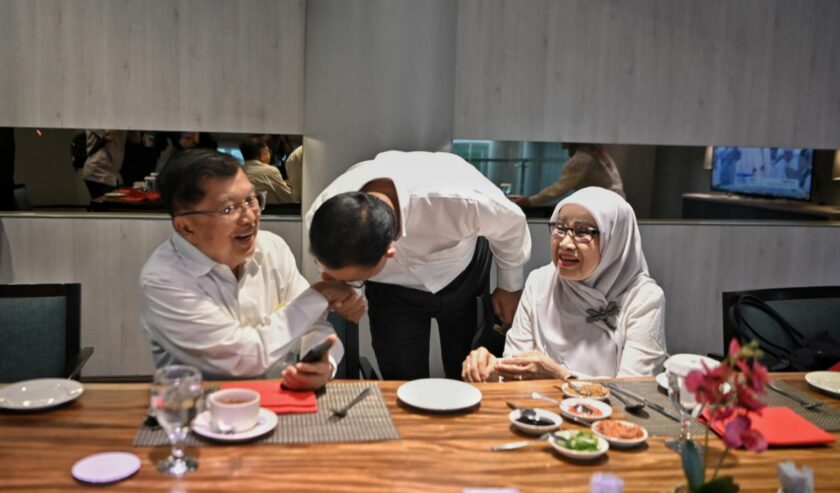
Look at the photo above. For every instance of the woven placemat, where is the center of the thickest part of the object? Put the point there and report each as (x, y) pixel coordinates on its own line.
(367, 421)
(824, 416)
(656, 424)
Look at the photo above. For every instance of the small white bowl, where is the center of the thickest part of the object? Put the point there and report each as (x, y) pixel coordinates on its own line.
(567, 408)
(570, 390)
(620, 442)
(556, 422)
(603, 446)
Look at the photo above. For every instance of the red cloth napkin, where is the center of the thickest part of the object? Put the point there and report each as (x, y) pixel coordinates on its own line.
(782, 427)
(281, 401)
(134, 195)
(835, 367)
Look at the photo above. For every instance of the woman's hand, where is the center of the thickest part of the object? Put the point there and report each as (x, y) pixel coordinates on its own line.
(309, 376)
(531, 365)
(478, 367)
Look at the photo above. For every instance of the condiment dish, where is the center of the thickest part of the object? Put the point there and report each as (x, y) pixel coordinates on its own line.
(522, 422)
(585, 408)
(600, 428)
(558, 439)
(585, 389)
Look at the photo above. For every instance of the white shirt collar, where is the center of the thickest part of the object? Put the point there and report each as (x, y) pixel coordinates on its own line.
(198, 263)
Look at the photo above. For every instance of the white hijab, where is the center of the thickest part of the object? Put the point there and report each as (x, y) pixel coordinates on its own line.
(591, 336)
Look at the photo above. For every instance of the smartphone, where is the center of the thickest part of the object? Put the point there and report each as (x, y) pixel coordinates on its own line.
(317, 352)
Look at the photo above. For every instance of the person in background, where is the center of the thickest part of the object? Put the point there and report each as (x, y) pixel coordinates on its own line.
(594, 311)
(589, 166)
(415, 236)
(265, 177)
(225, 297)
(101, 171)
(142, 150)
(294, 170)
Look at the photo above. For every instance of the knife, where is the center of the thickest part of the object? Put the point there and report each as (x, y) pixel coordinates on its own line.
(656, 407)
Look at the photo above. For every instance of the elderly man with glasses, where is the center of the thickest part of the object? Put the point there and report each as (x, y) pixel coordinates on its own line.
(225, 297)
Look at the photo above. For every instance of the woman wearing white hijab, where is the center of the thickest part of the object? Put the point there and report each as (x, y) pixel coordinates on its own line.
(594, 311)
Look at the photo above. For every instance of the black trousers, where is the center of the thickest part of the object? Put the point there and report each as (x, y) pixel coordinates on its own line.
(97, 190)
(400, 320)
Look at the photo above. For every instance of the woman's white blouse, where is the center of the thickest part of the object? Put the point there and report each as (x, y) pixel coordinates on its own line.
(635, 348)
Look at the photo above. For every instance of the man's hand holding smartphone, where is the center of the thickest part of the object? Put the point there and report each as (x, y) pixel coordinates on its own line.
(314, 370)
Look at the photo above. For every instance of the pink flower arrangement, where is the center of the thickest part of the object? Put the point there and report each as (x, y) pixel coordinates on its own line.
(746, 378)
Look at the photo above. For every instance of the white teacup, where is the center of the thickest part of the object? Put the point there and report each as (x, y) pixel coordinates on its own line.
(234, 410)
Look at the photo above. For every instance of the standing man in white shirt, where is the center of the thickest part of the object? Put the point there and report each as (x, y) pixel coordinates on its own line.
(225, 297)
(410, 222)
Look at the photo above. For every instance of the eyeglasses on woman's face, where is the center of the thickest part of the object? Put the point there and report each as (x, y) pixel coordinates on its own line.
(580, 233)
(254, 202)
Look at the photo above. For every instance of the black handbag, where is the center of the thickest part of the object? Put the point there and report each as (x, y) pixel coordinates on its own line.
(790, 350)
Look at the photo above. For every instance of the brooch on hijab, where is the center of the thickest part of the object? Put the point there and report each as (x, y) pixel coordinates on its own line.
(611, 310)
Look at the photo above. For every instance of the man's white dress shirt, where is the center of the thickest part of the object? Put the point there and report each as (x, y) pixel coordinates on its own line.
(194, 311)
(445, 204)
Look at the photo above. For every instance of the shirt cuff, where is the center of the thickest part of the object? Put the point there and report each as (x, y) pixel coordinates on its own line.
(510, 279)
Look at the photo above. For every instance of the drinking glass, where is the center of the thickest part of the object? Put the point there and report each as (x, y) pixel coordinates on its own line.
(687, 407)
(176, 392)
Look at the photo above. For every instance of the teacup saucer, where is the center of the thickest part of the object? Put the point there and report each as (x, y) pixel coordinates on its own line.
(266, 422)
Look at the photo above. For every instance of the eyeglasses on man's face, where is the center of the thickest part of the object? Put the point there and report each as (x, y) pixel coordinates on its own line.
(254, 202)
(580, 234)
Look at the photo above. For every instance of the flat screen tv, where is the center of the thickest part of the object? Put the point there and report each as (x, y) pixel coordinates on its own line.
(782, 172)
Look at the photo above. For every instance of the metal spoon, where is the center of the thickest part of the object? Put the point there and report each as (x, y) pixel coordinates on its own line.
(630, 407)
(520, 444)
(525, 412)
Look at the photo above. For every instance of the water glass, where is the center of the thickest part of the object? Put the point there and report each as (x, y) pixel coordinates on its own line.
(176, 392)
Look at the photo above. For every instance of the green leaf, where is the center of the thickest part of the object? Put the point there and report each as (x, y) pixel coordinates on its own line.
(692, 465)
(721, 484)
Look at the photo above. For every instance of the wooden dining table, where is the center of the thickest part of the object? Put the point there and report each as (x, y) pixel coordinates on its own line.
(435, 452)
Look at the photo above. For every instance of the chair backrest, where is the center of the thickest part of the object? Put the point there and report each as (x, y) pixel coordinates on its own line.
(22, 199)
(809, 310)
(39, 330)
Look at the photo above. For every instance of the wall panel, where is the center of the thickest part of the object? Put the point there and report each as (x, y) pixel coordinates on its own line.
(683, 72)
(214, 65)
(104, 254)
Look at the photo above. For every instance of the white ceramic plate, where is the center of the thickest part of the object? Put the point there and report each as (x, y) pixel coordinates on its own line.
(41, 393)
(105, 467)
(827, 381)
(603, 446)
(531, 429)
(620, 442)
(439, 394)
(266, 422)
(567, 407)
(570, 390)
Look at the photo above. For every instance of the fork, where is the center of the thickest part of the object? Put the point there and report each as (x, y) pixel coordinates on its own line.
(807, 405)
(340, 413)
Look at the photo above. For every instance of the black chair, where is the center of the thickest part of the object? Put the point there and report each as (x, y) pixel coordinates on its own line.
(810, 310)
(352, 366)
(39, 331)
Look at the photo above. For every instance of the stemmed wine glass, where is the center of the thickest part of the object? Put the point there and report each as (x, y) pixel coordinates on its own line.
(687, 407)
(176, 392)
